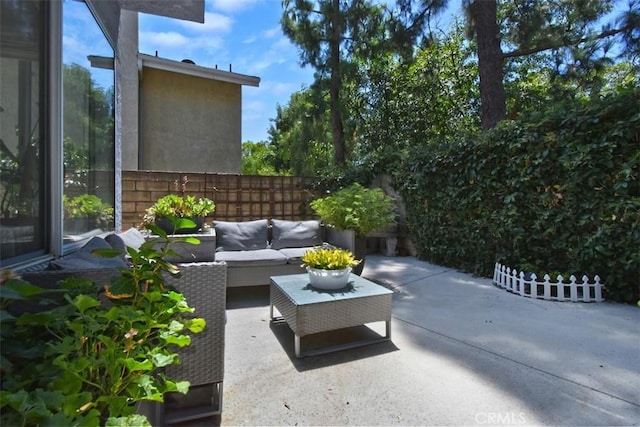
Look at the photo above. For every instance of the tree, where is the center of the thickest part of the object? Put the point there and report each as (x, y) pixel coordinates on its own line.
(298, 135)
(432, 99)
(569, 29)
(328, 31)
(492, 98)
(257, 158)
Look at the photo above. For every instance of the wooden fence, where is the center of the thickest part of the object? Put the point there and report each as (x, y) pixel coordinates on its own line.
(526, 284)
(237, 197)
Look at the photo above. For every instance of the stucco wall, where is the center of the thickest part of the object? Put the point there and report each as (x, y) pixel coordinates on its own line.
(189, 124)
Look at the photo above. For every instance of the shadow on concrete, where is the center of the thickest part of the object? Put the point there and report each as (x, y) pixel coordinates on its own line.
(247, 297)
(322, 340)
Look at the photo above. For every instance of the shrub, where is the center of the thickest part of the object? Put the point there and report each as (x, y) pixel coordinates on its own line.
(558, 190)
(356, 208)
(86, 360)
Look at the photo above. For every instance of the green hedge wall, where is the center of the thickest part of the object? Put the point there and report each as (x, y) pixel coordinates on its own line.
(557, 192)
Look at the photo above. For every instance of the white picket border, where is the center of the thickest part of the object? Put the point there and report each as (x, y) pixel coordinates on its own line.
(518, 283)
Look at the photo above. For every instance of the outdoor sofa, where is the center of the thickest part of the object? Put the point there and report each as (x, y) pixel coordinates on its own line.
(256, 250)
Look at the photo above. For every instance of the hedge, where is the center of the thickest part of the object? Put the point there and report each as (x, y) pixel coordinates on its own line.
(557, 191)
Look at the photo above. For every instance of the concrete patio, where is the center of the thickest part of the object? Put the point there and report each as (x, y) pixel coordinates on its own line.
(463, 352)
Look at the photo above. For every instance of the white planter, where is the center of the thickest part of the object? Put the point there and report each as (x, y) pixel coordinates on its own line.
(328, 279)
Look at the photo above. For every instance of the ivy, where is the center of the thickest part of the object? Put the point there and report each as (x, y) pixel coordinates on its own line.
(557, 189)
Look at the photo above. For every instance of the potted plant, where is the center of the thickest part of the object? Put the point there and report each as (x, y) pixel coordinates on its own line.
(329, 268)
(173, 206)
(87, 359)
(356, 211)
(179, 214)
(85, 212)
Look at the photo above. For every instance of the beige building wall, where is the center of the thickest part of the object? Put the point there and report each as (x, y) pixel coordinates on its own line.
(189, 123)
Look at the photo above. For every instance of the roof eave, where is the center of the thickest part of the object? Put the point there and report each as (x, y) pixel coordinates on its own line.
(197, 71)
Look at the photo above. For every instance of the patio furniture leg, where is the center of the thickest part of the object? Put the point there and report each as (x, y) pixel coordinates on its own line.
(297, 345)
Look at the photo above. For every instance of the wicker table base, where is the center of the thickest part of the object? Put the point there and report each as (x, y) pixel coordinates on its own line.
(309, 311)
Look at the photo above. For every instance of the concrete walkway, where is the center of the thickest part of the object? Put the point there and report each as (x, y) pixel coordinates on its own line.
(463, 352)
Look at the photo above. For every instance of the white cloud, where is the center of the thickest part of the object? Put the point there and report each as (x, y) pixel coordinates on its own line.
(203, 48)
(232, 6)
(272, 32)
(213, 23)
(163, 39)
(278, 89)
(278, 53)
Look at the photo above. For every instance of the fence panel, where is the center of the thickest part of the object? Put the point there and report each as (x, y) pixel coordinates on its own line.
(527, 285)
(237, 197)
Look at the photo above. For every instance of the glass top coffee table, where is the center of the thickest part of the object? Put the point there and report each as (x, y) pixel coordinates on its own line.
(309, 311)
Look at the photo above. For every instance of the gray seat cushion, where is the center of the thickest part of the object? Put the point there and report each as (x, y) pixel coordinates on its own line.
(255, 258)
(295, 234)
(241, 236)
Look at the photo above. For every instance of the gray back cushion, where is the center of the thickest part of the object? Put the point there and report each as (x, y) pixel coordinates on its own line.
(241, 236)
(295, 234)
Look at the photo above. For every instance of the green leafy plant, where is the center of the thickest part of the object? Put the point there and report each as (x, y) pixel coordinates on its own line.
(356, 208)
(86, 359)
(181, 207)
(558, 189)
(329, 259)
(173, 207)
(88, 206)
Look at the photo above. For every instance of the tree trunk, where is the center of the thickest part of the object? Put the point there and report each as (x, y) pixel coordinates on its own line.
(490, 58)
(336, 82)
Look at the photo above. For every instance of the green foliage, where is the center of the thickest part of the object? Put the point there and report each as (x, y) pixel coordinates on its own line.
(356, 208)
(329, 34)
(258, 158)
(87, 205)
(558, 190)
(89, 208)
(300, 134)
(175, 206)
(433, 98)
(329, 259)
(86, 359)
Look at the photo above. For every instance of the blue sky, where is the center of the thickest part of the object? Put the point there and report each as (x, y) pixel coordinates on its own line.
(245, 34)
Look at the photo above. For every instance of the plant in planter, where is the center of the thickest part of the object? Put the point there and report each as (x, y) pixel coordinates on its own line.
(85, 212)
(87, 360)
(329, 268)
(173, 206)
(358, 209)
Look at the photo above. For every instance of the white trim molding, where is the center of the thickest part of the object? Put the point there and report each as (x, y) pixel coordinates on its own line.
(196, 70)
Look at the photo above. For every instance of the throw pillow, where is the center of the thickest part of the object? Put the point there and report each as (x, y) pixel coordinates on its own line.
(241, 236)
(116, 242)
(295, 234)
(132, 238)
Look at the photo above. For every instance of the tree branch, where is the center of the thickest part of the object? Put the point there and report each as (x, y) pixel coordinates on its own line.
(558, 44)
